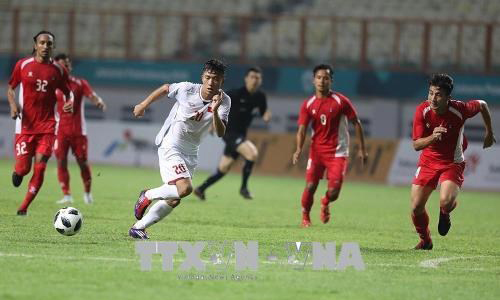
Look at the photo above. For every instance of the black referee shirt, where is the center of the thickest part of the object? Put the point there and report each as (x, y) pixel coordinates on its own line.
(243, 105)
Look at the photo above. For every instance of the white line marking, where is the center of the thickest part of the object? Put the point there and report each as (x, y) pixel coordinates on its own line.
(430, 263)
(434, 263)
(100, 258)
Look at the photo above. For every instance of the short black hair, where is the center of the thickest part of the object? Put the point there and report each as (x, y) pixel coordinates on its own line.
(216, 66)
(443, 81)
(323, 67)
(38, 34)
(255, 69)
(61, 56)
(44, 32)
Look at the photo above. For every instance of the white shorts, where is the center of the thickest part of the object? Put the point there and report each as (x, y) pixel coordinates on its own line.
(175, 165)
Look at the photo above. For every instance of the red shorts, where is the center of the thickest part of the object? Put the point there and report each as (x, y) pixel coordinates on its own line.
(426, 176)
(335, 169)
(26, 145)
(77, 143)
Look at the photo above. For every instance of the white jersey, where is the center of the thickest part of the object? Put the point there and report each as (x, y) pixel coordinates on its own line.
(189, 118)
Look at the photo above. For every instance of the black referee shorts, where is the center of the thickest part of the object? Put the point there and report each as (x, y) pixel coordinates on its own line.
(233, 140)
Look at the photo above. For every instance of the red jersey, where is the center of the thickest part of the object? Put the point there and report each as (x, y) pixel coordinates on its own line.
(328, 117)
(37, 97)
(450, 149)
(74, 123)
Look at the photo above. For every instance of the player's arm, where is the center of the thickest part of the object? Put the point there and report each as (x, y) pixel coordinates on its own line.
(140, 108)
(65, 87)
(350, 112)
(93, 97)
(14, 81)
(265, 111)
(267, 115)
(419, 141)
(300, 139)
(217, 123)
(489, 138)
(11, 97)
(97, 101)
(424, 142)
(362, 154)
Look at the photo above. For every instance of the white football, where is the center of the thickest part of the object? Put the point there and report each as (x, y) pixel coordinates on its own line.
(68, 221)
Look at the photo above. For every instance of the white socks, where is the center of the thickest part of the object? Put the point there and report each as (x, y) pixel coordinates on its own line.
(160, 209)
(156, 212)
(164, 192)
(87, 198)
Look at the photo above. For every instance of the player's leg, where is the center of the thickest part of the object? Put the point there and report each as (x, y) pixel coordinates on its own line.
(227, 160)
(168, 196)
(24, 150)
(79, 146)
(61, 147)
(44, 144)
(425, 181)
(336, 169)
(176, 172)
(451, 181)
(314, 172)
(307, 201)
(225, 164)
(248, 150)
(419, 216)
(447, 202)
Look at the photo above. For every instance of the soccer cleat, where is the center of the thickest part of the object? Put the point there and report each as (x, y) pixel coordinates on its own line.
(324, 214)
(199, 193)
(424, 245)
(16, 179)
(141, 205)
(139, 234)
(306, 221)
(444, 224)
(65, 199)
(22, 213)
(245, 193)
(87, 198)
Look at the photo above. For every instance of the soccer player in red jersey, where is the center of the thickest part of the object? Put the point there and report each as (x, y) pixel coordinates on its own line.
(328, 112)
(438, 128)
(39, 77)
(71, 132)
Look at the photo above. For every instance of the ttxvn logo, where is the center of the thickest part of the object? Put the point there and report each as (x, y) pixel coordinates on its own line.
(200, 254)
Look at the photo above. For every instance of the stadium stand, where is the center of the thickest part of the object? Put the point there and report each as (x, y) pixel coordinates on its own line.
(455, 24)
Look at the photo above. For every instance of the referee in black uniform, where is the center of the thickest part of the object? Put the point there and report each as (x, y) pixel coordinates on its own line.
(245, 101)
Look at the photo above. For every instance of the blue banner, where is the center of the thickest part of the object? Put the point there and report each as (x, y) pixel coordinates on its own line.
(295, 81)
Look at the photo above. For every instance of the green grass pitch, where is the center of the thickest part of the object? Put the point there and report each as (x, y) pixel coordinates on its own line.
(100, 262)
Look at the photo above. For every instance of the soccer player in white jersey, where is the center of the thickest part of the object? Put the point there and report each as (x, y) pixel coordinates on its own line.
(197, 107)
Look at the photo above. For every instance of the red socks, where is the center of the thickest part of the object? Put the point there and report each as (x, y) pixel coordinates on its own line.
(86, 177)
(307, 201)
(63, 176)
(325, 200)
(34, 185)
(421, 223)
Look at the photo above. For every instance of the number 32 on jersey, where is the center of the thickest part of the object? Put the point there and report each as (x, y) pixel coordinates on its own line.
(21, 149)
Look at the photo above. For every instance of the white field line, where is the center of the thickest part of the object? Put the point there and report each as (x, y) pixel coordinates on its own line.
(435, 262)
(430, 263)
(101, 258)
